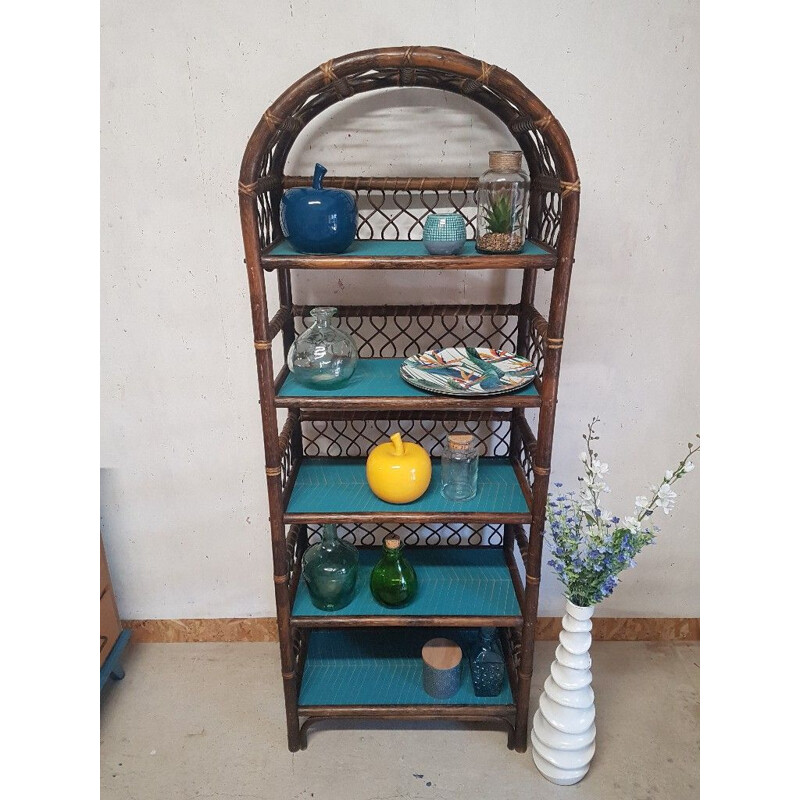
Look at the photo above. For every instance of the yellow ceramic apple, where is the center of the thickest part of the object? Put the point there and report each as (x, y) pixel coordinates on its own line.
(398, 471)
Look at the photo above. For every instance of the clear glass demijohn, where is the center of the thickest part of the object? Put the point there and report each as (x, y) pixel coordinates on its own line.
(323, 356)
(330, 570)
(502, 197)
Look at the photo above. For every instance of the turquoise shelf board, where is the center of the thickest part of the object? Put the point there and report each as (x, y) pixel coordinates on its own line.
(453, 581)
(339, 486)
(374, 377)
(361, 666)
(372, 248)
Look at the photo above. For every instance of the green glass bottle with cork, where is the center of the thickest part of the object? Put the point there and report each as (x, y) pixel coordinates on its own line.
(393, 582)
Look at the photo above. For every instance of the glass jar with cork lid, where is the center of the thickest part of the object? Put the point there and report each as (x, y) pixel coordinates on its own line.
(460, 467)
(502, 197)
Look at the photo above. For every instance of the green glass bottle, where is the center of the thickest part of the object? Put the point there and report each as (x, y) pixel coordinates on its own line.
(330, 569)
(393, 581)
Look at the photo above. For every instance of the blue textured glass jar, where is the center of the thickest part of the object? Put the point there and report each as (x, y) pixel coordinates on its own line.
(444, 234)
(318, 220)
(487, 664)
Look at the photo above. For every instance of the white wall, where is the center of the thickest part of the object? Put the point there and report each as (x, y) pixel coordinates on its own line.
(184, 511)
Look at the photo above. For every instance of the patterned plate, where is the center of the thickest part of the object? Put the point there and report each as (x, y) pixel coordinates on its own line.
(467, 371)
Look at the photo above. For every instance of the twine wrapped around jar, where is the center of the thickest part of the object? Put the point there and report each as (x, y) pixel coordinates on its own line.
(505, 160)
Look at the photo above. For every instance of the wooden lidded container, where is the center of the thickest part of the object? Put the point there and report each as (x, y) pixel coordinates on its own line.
(441, 668)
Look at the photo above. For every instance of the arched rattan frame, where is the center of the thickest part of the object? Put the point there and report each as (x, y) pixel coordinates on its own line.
(553, 221)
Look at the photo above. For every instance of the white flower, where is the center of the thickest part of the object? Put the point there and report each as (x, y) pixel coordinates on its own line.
(668, 475)
(666, 498)
(688, 466)
(583, 457)
(642, 501)
(632, 524)
(596, 534)
(605, 515)
(597, 483)
(665, 492)
(600, 469)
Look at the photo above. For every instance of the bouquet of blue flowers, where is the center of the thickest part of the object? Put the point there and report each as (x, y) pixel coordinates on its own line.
(590, 547)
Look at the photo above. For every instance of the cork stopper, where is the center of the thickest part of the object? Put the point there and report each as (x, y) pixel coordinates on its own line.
(505, 160)
(441, 654)
(392, 541)
(460, 441)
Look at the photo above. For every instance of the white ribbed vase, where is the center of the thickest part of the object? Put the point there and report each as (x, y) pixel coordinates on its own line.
(563, 725)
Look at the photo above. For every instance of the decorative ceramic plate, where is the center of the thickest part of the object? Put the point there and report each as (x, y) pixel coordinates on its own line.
(467, 371)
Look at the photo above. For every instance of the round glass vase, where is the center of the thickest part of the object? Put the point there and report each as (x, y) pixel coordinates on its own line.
(323, 357)
(330, 570)
(502, 196)
(444, 234)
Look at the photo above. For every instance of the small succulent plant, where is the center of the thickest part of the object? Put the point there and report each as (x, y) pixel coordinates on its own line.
(500, 217)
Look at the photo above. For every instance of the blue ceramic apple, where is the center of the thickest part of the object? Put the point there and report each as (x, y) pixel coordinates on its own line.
(318, 220)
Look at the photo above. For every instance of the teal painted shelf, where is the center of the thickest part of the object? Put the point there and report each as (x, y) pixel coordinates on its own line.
(377, 248)
(379, 378)
(364, 667)
(379, 254)
(453, 581)
(338, 487)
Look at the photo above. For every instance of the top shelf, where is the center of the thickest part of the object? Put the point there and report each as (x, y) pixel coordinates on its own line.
(379, 254)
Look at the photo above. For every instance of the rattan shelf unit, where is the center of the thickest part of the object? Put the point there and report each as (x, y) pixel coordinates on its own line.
(479, 562)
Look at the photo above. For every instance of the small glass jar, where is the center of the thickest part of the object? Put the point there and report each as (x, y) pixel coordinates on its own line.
(393, 581)
(487, 664)
(460, 467)
(323, 357)
(502, 197)
(330, 570)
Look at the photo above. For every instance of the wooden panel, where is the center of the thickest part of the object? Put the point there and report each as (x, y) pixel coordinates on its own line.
(244, 629)
(265, 629)
(110, 627)
(105, 575)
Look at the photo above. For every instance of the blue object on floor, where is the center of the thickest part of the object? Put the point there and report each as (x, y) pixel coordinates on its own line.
(112, 667)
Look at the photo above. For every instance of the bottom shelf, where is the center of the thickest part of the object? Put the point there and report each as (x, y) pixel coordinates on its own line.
(382, 667)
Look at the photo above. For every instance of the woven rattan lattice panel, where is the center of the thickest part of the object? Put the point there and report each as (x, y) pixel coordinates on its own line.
(387, 211)
(402, 331)
(354, 438)
(432, 534)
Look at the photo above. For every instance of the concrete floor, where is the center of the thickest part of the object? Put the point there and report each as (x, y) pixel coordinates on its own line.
(206, 721)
